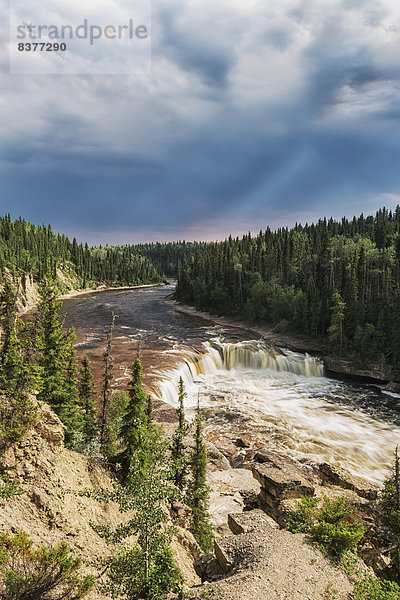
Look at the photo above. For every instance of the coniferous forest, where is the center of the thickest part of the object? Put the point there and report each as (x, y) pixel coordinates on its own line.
(38, 251)
(335, 282)
(338, 282)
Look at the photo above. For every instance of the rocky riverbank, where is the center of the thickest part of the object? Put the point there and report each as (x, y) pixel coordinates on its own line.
(252, 491)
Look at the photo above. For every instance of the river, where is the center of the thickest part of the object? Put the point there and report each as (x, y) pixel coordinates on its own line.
(282, 398)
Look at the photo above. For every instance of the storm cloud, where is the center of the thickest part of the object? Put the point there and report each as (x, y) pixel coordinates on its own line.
(254, 114)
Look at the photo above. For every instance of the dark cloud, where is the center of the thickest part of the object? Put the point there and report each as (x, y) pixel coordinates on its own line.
(253, 115)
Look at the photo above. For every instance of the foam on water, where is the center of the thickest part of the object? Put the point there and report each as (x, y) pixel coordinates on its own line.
(287, 396)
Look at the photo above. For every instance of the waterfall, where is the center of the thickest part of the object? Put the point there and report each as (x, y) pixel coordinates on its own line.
(227, 356)
(256, 355)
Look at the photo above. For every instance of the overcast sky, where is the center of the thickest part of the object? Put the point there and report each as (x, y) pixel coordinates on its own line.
(256, 113)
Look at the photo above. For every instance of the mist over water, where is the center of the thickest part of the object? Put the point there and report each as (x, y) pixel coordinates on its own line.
(282, 398)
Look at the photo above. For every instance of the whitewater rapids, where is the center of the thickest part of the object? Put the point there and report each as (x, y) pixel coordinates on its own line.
(286, 400)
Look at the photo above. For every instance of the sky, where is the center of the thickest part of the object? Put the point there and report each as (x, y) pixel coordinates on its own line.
(251, 114)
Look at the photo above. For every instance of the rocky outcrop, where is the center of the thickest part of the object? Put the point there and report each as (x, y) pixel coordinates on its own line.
(373, 372)
(261, 561)
(278, 484)
(50, 508)
(335, 475)
(232, 491)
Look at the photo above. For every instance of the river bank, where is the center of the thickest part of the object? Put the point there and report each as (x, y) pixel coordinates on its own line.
(380, 374)
(83, 292)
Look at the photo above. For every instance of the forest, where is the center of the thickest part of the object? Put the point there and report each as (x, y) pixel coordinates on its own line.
(38, 251)
(337, 282)
(333, 281)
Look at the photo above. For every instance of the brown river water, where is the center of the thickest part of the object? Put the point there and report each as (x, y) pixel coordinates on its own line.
(282, 398)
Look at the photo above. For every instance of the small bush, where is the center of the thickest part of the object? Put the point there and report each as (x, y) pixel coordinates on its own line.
(334, 531)
(39, 574)
(336, 538)
(371, 588)
(9, 489)
(17, 417)
(302, 519)
(330, 525)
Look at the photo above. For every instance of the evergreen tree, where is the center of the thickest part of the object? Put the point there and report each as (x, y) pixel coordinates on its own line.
(86, 395)
(149, 410)
(198, 490)
(178, 456)
(107, 381)
(57, 360)
(11, 359)
(336, 327)
(146, 569)
(135, 420)
(30, 379)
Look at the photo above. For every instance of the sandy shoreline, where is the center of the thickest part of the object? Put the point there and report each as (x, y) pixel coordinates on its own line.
(74, 293)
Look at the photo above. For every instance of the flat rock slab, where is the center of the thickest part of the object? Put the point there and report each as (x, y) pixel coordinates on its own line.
(344, 479)
(253, 520)
(228, 491)
(282, 483)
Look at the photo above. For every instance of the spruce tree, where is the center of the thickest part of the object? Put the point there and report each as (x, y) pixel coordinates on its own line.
(335, 330)
(198, 491)
(86, 394)
(149, 409)
(11, 358)
(107, 381)
(179, 460)
(135, 419)
(57, 360)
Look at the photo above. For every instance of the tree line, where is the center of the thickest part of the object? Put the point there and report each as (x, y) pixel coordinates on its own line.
(166, 256)
(27, 249)
(335, 281)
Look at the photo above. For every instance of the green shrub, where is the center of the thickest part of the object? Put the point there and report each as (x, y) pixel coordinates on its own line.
(302, 519)
(44, 573)
(9, 489)
(17, 417)
(330, 525)
(336, 538)
(371, 588)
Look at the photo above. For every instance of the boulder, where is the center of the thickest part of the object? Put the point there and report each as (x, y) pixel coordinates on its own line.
(226, 550)
(253, 520)
(216, 460)
(208, 568)
(227, 448)
(282, 483)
